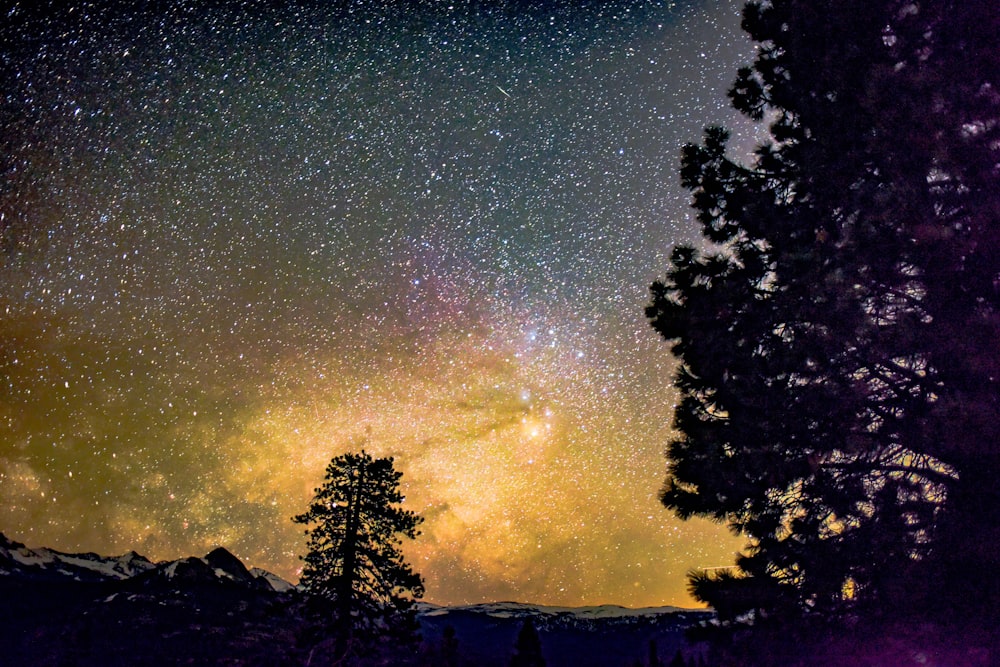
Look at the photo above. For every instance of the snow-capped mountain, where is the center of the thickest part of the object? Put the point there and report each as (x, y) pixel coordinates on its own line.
(19, 561)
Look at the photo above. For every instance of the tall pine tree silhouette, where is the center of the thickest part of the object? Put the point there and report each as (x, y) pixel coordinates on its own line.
(354, 563)
(839, 370)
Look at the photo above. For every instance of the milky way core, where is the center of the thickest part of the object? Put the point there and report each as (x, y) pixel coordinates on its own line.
(239, 240)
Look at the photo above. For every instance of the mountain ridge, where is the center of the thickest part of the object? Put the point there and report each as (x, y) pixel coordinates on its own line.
(20, 561)
(87, 609)
(503, 608)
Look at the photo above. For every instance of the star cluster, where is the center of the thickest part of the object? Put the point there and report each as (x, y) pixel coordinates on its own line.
(239, 239)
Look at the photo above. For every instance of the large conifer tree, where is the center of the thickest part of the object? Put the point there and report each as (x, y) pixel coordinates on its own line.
(839, 338)
(354, 561)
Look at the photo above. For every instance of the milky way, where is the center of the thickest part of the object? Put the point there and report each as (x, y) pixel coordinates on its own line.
(241, 240)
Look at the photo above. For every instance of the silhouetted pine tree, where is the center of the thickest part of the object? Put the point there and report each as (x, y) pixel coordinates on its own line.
(839, 366)
(449, 647)
(528, 649)
(354, 564)
(653, 659)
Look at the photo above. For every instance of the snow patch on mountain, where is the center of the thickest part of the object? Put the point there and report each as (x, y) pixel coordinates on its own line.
(30, 557)
(16, 558)
(523, 610)
(274, 581)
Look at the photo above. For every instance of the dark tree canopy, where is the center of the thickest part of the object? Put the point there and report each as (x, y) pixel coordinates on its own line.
(839, 340)
(354, 561)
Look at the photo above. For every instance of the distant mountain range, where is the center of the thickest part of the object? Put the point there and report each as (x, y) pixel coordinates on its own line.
(87, 609)
(571, 636)
(47, 565)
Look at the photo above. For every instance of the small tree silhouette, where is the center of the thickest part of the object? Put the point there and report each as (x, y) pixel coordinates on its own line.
(654, 657)
(528, 649)
(449, 647)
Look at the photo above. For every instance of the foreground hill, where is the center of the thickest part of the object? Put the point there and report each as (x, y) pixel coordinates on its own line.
(87, 609)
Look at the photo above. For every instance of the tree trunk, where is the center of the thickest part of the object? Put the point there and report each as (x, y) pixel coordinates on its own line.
(345, 585)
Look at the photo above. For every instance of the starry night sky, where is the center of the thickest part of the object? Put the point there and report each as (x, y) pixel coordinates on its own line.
(239, 240)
